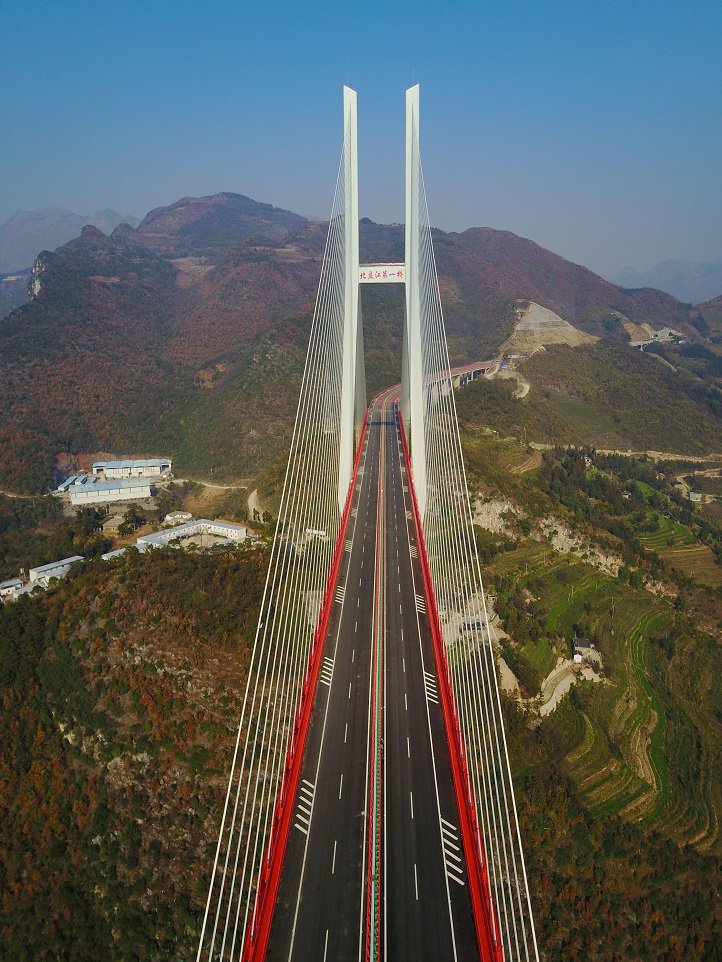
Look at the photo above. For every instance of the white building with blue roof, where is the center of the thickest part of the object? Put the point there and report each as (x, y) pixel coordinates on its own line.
(8, 588)
(141, 468)
(215, 532)
(56, 569)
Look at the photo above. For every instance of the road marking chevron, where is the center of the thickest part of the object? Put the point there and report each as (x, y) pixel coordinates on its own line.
(304, 806)
(452, 861)
(326, 673)
(432, 691)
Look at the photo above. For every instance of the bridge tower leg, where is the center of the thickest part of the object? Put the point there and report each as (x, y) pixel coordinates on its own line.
(353, 382)
(412, 391)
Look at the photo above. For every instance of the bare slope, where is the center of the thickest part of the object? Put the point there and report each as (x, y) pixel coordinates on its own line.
(538, 327)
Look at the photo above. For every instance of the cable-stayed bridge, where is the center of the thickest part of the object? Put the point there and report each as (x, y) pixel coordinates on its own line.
(370, 811)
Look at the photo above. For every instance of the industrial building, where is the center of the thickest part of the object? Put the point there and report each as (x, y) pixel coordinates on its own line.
(56, 569)
(113, 554)
(84, 489)
(218, 532)
(143, 468)
(38, 577)
(8, 588)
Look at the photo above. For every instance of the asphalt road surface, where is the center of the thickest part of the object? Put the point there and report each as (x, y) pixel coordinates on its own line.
(425, 906)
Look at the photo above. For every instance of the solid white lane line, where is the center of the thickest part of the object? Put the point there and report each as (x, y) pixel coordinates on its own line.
(416, 886)
(333, 863)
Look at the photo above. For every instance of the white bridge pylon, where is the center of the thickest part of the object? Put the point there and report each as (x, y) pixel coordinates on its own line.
(353, 389)
(353, 381)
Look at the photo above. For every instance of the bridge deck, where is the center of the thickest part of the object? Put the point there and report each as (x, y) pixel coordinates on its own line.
(426, 910)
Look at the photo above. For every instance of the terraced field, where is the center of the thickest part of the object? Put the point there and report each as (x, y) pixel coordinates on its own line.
(645, 743)
(676, 545)
(529, 463)
(697, 562)
(669, 533)
(499, 459)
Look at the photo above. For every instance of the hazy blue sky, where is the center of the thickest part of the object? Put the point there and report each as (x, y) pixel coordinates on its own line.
(594, 128)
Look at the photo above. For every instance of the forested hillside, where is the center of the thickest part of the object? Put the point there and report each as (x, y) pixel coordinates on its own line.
(120, 692)
(186, 336)
(604, 395)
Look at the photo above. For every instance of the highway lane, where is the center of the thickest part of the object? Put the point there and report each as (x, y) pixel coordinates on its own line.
(320, 909)
(428, 912)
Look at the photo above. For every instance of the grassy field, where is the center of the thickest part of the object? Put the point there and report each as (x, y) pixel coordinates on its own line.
(587, 423)
(539, 655)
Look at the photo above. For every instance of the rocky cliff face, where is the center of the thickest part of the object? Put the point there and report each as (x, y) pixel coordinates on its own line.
(35, 284)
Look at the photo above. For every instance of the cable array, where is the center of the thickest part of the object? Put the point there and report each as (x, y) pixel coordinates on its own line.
(455, 571)
(301, 554)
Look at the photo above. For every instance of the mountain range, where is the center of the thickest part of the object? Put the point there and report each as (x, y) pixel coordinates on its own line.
(186, 335)
(688, 281)
(28, 232)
